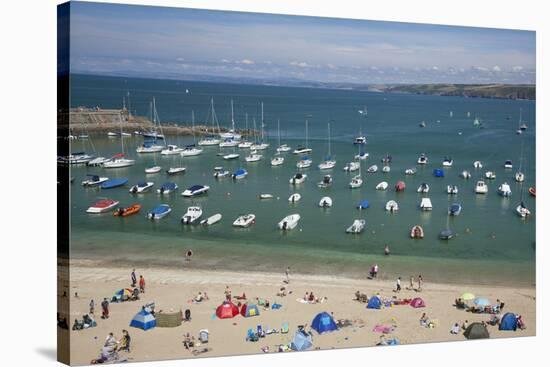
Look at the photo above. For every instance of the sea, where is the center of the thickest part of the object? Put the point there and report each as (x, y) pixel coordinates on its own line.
(492, 244)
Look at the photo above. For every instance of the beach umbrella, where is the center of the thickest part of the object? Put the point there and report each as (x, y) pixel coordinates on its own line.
(468, 296)
(479, 301)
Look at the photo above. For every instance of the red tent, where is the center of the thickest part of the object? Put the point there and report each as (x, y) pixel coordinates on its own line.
(417, 303)
(227, 310)
(400, 186)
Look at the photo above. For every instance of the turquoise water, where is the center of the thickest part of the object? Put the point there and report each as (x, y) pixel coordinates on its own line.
(492, 241)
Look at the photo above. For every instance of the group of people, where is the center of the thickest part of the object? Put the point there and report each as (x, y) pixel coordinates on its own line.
(111, 347)
(134, 281)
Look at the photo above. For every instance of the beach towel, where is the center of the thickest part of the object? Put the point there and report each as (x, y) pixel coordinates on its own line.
(383, 329)
(276, 306)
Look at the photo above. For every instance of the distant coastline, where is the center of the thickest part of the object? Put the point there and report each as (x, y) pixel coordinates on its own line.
(500, 91)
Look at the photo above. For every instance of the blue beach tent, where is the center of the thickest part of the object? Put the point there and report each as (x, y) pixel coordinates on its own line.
(375, 303)
(144, 320)
(508, 322)
(323, 323)
(301, 341)
(438, 172)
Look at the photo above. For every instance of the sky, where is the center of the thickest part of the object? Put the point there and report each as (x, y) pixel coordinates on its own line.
(160, 42)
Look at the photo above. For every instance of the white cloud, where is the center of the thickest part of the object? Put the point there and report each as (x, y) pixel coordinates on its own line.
(480, 68)
(517, 68)
(435, 68)
(496, 68)
(301, 64)
(247, 62)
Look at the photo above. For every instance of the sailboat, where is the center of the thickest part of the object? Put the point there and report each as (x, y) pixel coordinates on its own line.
(192, 149)
(522, 126)
(301, 149)
(230, 139)
(119, 160)
(356, 182)
(447, 233)
(328, 163)
(520, 176)
(262, 145)
(254, 156)
(211, 139)
(151, 146)
(277, 160)
(245, 144)
(178, 169)
(361, 139)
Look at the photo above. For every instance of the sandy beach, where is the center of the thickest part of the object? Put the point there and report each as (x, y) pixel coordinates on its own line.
(173, 289)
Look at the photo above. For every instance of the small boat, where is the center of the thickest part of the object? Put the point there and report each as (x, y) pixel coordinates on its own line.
(211, 220)
(328, 163)
(245, 144)
(352, 167)
(94, 180)
(533, 191)
(192, 215)
(228, 143)
(152, 135)
(447, 162)
(124, 134)
(387, 159)
(478, 165)
(423, 159)
(325, 202)
(305, 162)
(265, 196)
(102, 206)
(400, 186)
(171, 150)
(360, 140)
(382, 186)
(326, 182)
(356, 227)
(423, 188)
(410, 171)
(301, 150)
(294, 197)
(167, 188)
(259, 146)
(118, 161)
(417, 232)
(422, 124)
(289, 222)
(141, 187)
(114, 182)
(522, 210)
(455, 209)
(298, 178)
(253, 157)
(504, 190)
(231, 156)
(283, 148)
(452, 189)
(372, 169)
(190, 151)
(508, 164)
(520, 177)
(356, 182)
(386, 169)
(438, 172)
(125, 212)
(245, 220)
(490, 175)
(481, 187)
(195, 190)
(159, 211)
(219, 172)
(175, 170)
(466, 174)
(446, 234)
(98, 161)
(154, 169)
(209, 141)
(239, 174)
(111, 134)
(426, 204)
(362, 156)
(149, 147)
(392, 206)
(363, 205)
(277, 160)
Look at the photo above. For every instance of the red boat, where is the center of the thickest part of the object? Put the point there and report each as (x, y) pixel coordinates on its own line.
(124, 212)
(102, 206)
(533, 191)
(400, 186)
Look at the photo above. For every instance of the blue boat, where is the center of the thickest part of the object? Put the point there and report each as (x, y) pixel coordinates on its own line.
(159, 211)
(438, 172)
(455, 209)
(167, 188)
(195, 190)
(363, 204)
(240, 173)
(115, 182)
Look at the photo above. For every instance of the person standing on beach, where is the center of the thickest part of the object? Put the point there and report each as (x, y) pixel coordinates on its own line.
(287, 274)
(92, 307)
(411, 284)
(133, 277)
(420, 281)
(387, 250)
(141, 284)
(398, 285)
(105, 309)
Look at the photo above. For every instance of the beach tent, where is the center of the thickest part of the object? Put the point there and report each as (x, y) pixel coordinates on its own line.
(323, 323)
(227, 310)
(467, 296)
(248, 310)
(476, 330)
(481, 302)
(301, 341)
(375, 303)
(438, 172)
(418, 302)
(508, 322)
(143, 320)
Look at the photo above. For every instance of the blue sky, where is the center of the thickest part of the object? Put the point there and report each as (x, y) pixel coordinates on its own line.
(175, 42)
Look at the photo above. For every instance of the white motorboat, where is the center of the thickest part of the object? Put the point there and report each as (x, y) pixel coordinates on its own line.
(410, 171)
(392, 206)
(423, 159)
(159, 212)
(356, 227)
(325, 182)
(167, 188)
(277, 160)
(478, 165)
(220, 172)
(284, 148)
(426, 204)
(125, 135)
(239, 174)
(520, 176)
(265, 196)
(175, 170)
(490, 175)
(505, 190)
(372, 169)
(305, 162)
(508, 164)
(245, 220)
(102, 206)
(447, 162)
(192, 215)
(424, 188)
(111, 134)
(211, 220)
(289, 222)
(190, 151)
(386, 169)
(455, 209)
(362, 156)
(195, 190)
(302, 150)
(481, 187)
(356, 182)
(382, 186)
(452, 189)
(352, 167)
(244, 144)
(298, 178)
(294, 198)
(94, 180)
(231, 156)
(154, 169)
(360, 140)
(118, 161)
(141, 187)
(149, 148)
(171, 150)
(325, 202)
(466, 174)
(253, 157)
(522, 210)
